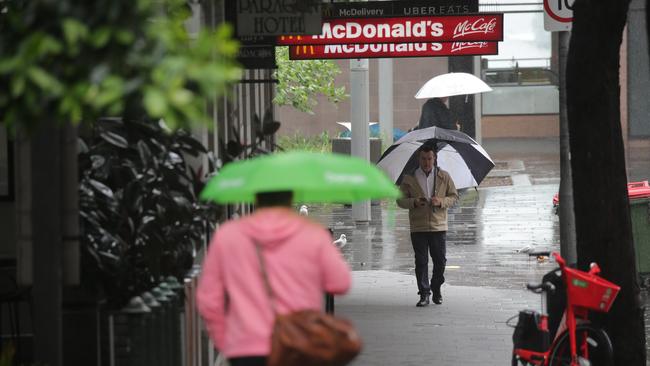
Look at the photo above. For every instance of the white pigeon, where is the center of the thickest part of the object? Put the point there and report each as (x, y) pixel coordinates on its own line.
(304, 211)
(341, 242)
(525, 249)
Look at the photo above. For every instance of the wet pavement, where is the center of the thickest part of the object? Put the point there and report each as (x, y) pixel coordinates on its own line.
(490, 229)
(485, 277)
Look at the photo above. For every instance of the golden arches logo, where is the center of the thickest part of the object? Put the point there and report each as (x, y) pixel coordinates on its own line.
(306, 50)
(290, 38)
(327, 11)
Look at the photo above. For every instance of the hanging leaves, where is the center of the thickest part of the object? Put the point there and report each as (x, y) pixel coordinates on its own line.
(136, 199)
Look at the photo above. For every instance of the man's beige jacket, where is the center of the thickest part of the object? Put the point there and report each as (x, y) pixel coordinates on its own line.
(428, 218)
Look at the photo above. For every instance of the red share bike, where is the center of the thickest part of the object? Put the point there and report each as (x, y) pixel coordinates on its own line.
(569, 294)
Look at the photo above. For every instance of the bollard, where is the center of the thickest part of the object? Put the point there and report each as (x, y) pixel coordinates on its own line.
(174, 321)
(165, 327)
(192, 321)
(197, 351)
(179, 290)
(129, 333)
(189, 341)
(153, 343)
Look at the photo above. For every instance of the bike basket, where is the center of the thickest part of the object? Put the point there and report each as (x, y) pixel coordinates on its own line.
(590, 291)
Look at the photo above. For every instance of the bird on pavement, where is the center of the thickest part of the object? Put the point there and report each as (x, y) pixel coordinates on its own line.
(304, 211)
(525, 249)
(341, 241)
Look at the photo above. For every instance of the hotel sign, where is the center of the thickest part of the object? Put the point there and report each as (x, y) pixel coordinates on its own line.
(343, 51)
(450, 28)
(277, 17)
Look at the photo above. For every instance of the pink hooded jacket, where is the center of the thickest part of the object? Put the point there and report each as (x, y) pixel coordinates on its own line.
(301, 262)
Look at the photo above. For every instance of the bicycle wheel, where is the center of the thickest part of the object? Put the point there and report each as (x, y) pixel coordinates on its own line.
(592, 345)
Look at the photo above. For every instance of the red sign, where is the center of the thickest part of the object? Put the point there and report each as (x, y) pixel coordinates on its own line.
(451, 28)
(373, 50)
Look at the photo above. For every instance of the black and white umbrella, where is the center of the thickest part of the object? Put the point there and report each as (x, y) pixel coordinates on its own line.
(465, 160)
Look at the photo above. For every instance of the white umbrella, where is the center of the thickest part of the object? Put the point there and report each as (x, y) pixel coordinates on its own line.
(348, 125)
(453, 83)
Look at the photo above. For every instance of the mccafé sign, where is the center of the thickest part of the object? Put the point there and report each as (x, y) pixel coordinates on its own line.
(449, 28)
(338, 51)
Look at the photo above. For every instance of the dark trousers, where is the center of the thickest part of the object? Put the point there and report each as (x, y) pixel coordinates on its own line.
(433, 243)
(248, 361)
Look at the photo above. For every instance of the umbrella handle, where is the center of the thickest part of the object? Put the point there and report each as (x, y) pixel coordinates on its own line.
(435, 178)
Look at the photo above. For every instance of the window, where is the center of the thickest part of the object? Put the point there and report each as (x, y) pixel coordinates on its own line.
(525, 54)
(521, 75)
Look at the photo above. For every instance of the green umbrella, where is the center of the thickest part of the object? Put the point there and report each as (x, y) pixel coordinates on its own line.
(312, 177)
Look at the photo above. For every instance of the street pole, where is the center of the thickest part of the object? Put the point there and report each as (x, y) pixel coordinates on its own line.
(359, 116)
(567, 214)
(385, 82)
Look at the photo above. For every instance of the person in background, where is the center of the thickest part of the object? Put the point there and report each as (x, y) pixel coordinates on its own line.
(436, 113)
(427, 194)
(301, 263)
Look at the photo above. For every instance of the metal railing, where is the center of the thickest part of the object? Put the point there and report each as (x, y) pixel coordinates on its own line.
(161, 327)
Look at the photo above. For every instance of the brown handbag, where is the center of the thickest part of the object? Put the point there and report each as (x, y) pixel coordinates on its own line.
(309, 337)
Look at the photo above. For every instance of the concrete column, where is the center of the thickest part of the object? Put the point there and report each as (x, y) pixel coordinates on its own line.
(478, 103)
(385, 82)
(359, 117)
(638, 82)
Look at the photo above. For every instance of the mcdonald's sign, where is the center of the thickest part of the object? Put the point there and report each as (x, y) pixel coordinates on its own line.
(392, 50)
(449, 28)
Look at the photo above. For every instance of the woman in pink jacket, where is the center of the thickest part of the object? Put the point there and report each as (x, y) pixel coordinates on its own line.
(301, 262)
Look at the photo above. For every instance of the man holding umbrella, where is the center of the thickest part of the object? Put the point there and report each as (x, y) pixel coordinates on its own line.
(436, 113)
(427, 193)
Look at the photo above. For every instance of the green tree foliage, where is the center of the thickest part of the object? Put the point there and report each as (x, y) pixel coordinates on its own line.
(301, 81)
(75, 60)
